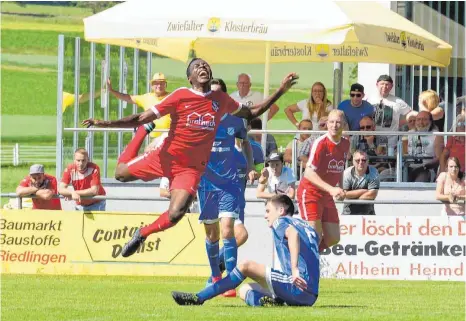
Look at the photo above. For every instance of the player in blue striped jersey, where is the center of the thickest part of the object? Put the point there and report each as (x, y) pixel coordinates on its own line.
(220, 193)
(296, 244)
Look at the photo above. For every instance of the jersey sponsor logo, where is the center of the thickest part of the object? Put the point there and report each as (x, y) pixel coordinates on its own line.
(336, 167)
(198, 121)
(215, 105)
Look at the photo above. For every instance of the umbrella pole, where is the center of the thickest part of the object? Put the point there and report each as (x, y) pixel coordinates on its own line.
(337, 83)
(265, 115)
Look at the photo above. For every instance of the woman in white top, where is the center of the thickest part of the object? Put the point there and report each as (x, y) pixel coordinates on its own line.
(450, 188)
(313, 108)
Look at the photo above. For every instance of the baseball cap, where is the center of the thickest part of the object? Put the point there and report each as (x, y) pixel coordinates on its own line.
(385, 78)
(357, 87)
(275, 157)
(36, 169)
(158, 76)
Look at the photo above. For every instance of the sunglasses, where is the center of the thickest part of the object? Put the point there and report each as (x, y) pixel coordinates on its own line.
(461, 124)
(322, 125)
(362, 160)
(412, 121)
(365, 127)
(356, 95)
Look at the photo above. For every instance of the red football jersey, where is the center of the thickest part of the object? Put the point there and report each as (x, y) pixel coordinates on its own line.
(195, 118)
(328, 159)
(50, 182)
(83, 180)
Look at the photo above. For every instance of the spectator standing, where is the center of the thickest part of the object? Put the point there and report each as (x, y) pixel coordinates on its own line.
(388, 108)
(356, 108)
(455, 146)
(451, 188)
(249, 98)
(146, 101)
(313, 108)
(43, 186)
(360, 182)
(277, 178)
(84, 176)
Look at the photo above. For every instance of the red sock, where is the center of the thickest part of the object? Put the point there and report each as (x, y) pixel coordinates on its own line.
(322, 246)
(131, 151)
(160, 224)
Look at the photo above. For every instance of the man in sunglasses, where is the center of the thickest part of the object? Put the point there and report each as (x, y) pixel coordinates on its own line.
(356, 108)
(360, 182)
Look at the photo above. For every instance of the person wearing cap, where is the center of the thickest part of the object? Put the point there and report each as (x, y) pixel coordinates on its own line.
(247, 97)
(84, 176)
(277, 178)
(388, 108)
(146, 101)
(356, 108)
(43, 186)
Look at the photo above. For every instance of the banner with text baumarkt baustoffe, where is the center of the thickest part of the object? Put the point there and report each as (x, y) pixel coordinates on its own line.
(398, 248)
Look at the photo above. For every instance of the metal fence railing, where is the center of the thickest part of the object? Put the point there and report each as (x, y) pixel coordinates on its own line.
(248, 200)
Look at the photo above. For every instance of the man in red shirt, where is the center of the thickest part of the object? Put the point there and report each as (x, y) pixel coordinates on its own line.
(43, 186)
(85, 178)
(324, 170)
(196, 113)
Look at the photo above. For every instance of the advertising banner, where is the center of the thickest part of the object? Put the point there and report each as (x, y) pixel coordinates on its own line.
(371, 247)
(60, 242)
(398, 248)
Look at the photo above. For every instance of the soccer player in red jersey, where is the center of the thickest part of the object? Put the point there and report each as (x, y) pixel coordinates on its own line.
(324, 171)
(196, 113)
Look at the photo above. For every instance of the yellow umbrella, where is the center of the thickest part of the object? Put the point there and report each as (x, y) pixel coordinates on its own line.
(259, 31)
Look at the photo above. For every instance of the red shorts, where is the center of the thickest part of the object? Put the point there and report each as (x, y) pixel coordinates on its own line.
(152, 165)
(316, 205)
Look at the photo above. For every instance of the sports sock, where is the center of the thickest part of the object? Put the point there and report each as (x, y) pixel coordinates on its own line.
(212, 254)
(160, 224)
(231, 281)
(131, 150)
(231, 254)
(221, 259)
(252, 298)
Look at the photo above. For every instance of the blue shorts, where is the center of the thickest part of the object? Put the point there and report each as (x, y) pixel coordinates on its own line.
(216, 204)
(281, 286)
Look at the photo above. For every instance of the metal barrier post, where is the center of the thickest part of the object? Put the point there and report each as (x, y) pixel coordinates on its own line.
(59, 141)
(106, 109)
(90, 135)
(399, 160)
(337, 83)
(77, 72)
(294, 155)
(19, 203)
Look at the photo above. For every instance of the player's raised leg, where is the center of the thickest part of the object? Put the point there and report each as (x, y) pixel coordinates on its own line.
(180, 201)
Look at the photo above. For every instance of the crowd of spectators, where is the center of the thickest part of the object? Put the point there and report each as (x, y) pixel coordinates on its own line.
(373, 157)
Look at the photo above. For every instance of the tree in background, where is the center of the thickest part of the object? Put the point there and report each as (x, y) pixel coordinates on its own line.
(353, 74)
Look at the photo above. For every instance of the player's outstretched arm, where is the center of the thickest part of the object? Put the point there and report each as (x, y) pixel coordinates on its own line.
(259, 109)
(126, 122)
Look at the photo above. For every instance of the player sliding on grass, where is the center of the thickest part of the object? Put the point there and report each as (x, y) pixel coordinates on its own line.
(296, 245)
(195, 114)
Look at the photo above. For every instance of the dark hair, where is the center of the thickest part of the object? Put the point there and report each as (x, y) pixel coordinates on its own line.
(256, 123)
(220, 82)
(385, 78)
(283, 200)
(188, 70)
(457, 162)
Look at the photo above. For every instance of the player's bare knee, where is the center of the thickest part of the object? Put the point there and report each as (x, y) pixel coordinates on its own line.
(175, 214)
(244, 267)
(121, 173)
(332, 241)
(212, 232)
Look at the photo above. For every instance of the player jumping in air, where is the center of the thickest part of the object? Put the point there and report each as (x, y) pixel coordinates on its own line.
(196, 113)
